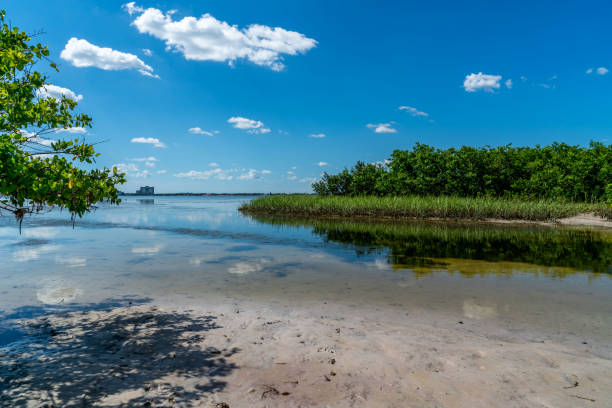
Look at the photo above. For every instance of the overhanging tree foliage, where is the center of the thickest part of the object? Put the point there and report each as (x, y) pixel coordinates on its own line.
(37, 171)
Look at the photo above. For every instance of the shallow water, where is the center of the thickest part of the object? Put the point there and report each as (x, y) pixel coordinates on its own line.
(199, 250)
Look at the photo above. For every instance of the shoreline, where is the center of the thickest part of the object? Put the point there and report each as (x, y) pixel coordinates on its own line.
(250, 354)
(579, 220)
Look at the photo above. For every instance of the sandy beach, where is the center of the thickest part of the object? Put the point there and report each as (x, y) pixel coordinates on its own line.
(325, 355)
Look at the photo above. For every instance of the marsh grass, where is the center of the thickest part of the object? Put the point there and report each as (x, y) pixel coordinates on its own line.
(446, 207)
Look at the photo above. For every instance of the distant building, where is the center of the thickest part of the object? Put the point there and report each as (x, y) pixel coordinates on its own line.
(146, 190)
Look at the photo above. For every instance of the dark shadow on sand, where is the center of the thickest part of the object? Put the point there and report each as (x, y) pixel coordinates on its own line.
(80, 358)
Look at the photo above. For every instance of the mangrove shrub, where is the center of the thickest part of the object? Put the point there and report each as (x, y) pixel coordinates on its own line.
(559, 171)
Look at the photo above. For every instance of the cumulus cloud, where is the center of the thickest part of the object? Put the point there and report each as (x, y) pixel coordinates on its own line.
(57, 92)
(213, 164)
(81, 53)
(413, 111)
(161, 171)
(382, 127)
(598, 71)
(148, 140)
(147, 52)
(250, 125)
(216, 173)
(200, 131)
(322, 164)
(481, 82)
(145, 159)
(131, 170)
(73, 130)
(318, 135)
(508, 83)
(253, 174)
(208, 39)
(307, 180)
(291, 177)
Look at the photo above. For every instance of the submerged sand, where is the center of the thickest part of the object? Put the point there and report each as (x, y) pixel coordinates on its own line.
(249, 354)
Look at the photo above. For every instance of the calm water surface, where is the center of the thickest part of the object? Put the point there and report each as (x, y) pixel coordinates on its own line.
(201, 249)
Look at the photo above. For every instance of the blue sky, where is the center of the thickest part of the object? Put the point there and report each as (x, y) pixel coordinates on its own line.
(256, 80)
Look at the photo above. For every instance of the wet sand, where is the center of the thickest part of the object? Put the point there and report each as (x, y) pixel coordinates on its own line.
(323, 354)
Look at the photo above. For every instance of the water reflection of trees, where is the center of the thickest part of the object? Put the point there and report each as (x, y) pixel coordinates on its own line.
(427, 246)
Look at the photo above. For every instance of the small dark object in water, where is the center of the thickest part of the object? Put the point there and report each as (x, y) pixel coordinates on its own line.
(332, 373)
(286, 393)
(332, 361)
(574, 385)
(327, 378)
(460, 322)
(220, 405)
(269, 391)
(274, 322)
(584, 398)
(584, 342)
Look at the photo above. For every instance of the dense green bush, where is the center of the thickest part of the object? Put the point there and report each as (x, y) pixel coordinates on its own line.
(558, 171)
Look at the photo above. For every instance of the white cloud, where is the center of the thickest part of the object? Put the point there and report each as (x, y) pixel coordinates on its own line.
(250, 125)
(508, 83)
(200, 131)
(125, 168)
(382, 127)
(162, 171)
(150, 164)
(81, 53)
(147, 52)
(322, 164)
(523, 78)
(145, 159)
(318, 135)
(131, 170)
(292, 178)
(217, 173)
(480, 81)
(598, 71)
(253, 174)
(289, 172)
(413, 111)
(213, 164)
(148, 140)
(73, 130)
(307, 180)
(57, 92)
(132, 8)
(209, 39)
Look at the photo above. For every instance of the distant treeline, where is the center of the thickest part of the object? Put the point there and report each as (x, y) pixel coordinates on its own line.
(558, 171)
